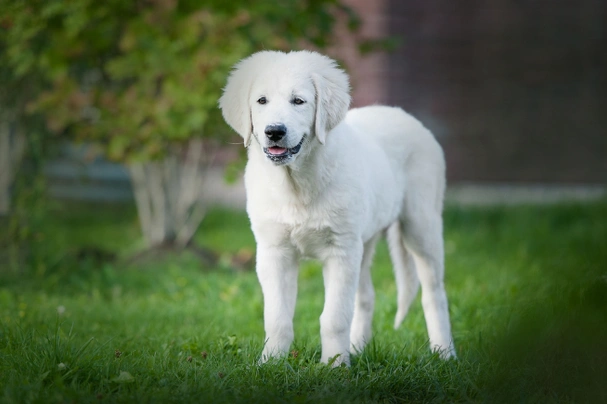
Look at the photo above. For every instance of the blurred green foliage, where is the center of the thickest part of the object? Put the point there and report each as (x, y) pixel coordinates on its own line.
(23, 242)
(135, 76)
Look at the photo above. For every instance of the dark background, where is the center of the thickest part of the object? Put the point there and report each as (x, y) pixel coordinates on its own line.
(516, 91)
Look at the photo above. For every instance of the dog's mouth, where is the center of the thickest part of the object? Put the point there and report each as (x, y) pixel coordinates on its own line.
(281, 154)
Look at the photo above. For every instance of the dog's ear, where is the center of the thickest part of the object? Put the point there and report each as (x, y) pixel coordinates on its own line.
(234, 102)
(332, 96)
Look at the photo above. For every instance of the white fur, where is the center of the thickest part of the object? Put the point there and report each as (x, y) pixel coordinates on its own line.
(357, 174)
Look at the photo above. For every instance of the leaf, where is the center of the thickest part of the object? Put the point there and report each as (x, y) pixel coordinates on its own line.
(137, 76)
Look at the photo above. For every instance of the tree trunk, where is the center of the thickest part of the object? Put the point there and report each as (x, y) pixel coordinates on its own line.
(168, 194)
(12, 146)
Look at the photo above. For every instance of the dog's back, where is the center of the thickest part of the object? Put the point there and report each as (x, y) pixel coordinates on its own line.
(410, 147)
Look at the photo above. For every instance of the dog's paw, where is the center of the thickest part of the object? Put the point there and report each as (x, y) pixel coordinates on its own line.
(337, 360)
(445, 353)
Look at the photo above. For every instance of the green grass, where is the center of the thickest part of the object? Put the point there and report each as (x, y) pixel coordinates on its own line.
(528, 299)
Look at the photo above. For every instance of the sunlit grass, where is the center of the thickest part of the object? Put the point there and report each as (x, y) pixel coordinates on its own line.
(527, 290)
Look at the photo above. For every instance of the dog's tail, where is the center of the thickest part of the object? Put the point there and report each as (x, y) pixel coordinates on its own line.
(407, 283)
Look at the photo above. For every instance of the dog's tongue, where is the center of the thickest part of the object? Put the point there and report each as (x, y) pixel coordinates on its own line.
(277, 150)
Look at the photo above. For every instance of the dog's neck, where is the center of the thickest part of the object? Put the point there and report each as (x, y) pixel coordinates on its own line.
(307, 178)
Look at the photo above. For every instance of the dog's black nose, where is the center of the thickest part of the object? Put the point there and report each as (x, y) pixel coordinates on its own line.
(275, 132)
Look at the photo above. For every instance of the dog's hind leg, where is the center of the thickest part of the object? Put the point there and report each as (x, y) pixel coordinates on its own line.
(424, 239)
(407, 283)
(360, 332)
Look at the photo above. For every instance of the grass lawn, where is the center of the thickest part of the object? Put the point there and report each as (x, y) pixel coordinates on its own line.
(528, 299)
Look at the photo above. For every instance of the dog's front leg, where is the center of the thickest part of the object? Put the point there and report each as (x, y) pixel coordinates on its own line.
(341, 276)
(277, 273)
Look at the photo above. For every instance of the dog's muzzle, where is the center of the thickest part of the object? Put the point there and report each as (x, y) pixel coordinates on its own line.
(281, 155)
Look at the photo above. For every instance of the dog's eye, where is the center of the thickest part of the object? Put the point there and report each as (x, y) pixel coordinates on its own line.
(262, 100)
(298, 101)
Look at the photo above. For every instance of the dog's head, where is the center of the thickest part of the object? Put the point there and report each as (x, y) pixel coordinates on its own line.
(285, 100)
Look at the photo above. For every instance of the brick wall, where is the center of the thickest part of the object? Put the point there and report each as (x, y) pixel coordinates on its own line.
(367, 72)
(515, 91)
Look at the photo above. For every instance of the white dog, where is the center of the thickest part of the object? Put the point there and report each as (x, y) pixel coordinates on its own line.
(325, 183)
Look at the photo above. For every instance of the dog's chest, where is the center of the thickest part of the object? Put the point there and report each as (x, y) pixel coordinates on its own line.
(314, 232)
(313, 223)
(312, 241)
